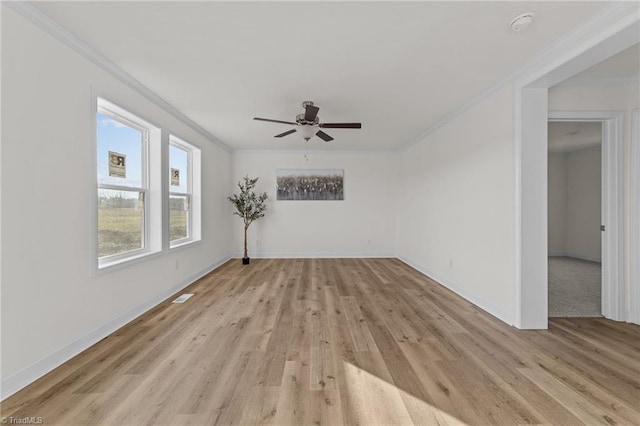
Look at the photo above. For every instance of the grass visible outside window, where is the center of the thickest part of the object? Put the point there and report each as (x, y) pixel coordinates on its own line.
(181, 190)
(123, 206)
(120, 222)
(178, 218)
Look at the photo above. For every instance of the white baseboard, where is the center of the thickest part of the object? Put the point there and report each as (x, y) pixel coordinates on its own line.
(316, 255)
(24, 377)
(576, 256)
(482, 304)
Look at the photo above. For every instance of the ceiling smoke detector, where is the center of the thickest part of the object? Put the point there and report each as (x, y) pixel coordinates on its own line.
(522, 22)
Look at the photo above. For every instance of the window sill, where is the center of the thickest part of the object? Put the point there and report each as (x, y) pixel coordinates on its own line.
(184, 243)
(113, 265)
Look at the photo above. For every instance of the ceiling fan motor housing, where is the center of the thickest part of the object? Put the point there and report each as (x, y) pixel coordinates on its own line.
(300, 120)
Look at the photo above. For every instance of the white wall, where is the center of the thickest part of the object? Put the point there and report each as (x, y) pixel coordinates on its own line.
(584, 238)
(589, 98)
(574, 193)
(53, 303)
(456, 217)
(557, 205)
(361, 225)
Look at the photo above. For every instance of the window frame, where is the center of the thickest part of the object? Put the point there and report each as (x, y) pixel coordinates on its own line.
(148, 131)
(191, 194)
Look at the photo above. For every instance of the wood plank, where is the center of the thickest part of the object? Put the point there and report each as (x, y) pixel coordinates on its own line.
(573, 401)
(362, 338)
(339, 341)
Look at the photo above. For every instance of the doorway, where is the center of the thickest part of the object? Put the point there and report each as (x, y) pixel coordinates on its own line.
(574, 218)
(531, 126)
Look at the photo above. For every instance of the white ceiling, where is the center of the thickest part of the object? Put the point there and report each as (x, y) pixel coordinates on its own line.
(397, 67)
(572, 136)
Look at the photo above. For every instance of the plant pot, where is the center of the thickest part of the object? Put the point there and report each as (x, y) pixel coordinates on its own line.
(245, 260)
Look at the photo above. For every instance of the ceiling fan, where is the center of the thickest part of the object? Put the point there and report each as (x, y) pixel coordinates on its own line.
(308, 124)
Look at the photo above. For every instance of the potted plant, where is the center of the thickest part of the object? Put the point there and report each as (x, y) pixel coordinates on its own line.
(249, 206)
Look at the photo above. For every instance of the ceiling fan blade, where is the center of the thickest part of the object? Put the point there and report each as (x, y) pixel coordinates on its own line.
(274, 121)
(340, 125)
(325, 137)
(311, 112)
(288, 132)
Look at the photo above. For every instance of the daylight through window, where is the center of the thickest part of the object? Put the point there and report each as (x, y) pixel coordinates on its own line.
(123, 184)
(181, 191)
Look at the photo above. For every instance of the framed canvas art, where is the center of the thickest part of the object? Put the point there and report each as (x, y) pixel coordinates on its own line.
(310, 184)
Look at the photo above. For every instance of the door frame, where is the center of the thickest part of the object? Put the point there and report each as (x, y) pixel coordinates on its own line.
(612, 205)
(602, 38)
(634, 222)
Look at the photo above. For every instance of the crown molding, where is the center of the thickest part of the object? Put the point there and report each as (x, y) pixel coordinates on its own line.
(311, 152)
(627, 11)
(623, 14)
(34, 15)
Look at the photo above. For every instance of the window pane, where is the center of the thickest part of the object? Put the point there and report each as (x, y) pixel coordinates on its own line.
(120, 221)
(178, 217)
(118, 138)
(178, 160)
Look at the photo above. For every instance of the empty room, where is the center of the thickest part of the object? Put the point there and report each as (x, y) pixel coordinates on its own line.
(320, 213)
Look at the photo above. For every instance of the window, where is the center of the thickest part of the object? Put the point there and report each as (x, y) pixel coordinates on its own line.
(184, 192)
(127, 208)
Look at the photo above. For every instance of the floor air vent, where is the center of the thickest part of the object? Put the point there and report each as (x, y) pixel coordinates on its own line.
(183, 298)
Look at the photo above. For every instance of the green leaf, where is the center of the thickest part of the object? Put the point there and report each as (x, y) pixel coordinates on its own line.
(248, 205)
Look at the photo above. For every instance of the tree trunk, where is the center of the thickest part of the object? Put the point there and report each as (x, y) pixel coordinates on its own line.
(245, 241)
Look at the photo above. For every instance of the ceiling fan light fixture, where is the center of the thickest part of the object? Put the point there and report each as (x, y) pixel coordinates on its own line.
(307, 131)
(308, 124)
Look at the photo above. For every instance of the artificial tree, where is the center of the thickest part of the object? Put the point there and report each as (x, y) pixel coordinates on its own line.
(249, 206)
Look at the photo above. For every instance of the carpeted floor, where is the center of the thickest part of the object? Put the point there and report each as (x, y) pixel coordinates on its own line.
(574, 288)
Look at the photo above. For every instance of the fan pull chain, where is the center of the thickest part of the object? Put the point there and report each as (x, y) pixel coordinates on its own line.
(306, 154)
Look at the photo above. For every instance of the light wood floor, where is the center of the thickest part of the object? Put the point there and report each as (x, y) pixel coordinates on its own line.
(340, 341)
